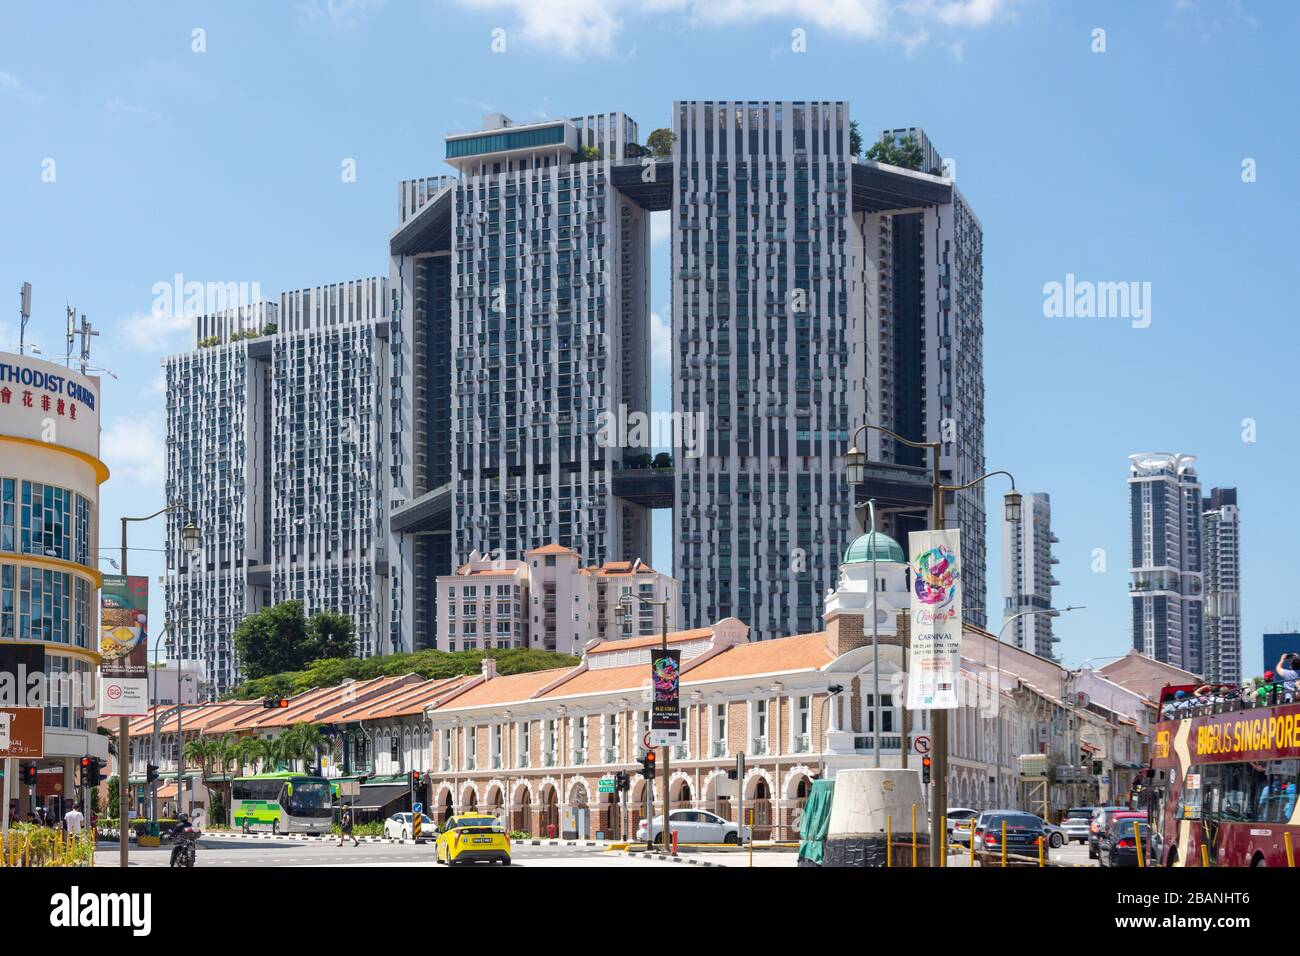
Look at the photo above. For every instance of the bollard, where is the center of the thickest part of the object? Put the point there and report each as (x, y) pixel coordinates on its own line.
(1137, 835)
(889, 841)
(1042, 851)
(972, 844)
(1290, 851)
(1004, 843)
(1205, 855)
(914, 836)
(943, 860)
(674, 843)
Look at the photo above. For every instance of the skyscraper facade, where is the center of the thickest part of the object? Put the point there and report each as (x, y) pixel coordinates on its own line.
(804, 303)
(274, 449)
(1221, 563)
(513, 348)
(1166, 587)
(1027, 576)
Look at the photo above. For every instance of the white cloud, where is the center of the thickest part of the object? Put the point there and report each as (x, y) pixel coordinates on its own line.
(158, 386)
(661, 226)
(593, 27)
(134, 450)
(155, 331)
(661, 344)
(338, 14)
(10, 85)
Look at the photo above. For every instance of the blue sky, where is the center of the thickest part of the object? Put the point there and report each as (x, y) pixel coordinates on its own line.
(1122, 165)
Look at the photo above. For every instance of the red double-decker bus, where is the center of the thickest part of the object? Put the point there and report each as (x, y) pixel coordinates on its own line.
(1222, 784)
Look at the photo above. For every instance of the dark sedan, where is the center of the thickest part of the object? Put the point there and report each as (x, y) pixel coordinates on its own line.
(1023, 830)
(1118, 845)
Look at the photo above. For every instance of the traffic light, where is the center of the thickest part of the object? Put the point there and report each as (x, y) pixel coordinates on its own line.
(925, 769)
(150, 772)
(622, 781)
(272, 703)
(415, 779)
(90, 771)
(648, 765)
(29, 774)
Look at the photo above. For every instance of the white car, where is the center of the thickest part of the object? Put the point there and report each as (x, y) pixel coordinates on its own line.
(961, 820)
(694, 826)
(400, 826)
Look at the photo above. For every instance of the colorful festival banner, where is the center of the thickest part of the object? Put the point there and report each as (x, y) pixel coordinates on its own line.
(665, 707)
(935, 659)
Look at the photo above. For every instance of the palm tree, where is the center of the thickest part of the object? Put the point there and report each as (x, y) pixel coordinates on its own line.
(247, 751)
(269, 753)
(304, 742)
(226, 758)
(202, 752)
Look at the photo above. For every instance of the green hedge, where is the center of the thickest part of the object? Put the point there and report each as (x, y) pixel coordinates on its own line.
(429, 664)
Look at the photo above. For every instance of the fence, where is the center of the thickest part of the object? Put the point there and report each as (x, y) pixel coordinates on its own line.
(28, 845)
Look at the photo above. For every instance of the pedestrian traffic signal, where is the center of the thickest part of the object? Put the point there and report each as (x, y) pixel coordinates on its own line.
(29, 774)
(925, 769)
(648, 765)
(150, 772)
(272, 703)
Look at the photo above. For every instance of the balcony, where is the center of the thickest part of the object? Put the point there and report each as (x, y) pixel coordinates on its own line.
(680, 752)
(496, 761)
(471, 763)
(548, 759)
(579, 757)
(758, 746)
(718, 748)
(611, 755)
(802, 744)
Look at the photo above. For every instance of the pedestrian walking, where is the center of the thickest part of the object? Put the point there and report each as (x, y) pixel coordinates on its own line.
(345, 825)
(73, 821)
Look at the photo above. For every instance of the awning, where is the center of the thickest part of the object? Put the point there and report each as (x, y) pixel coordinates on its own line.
(379, 797)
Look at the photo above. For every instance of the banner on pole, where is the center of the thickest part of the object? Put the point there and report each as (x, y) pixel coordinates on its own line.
(124, 645)
(935, 660)
(665, 707)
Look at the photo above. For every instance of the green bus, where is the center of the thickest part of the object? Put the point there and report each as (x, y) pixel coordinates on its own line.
(284, 802)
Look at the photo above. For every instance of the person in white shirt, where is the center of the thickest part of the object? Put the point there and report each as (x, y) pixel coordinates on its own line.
(73, 821)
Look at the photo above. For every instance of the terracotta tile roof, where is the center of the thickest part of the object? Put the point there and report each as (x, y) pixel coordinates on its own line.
(503, 690)
(674, 637)
(802, 653)
(551, 549)
(405, 701)
(602, 680)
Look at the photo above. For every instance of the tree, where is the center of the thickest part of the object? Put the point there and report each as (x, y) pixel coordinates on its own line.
(589, 154)
(329, 635)
(855, 138)
(270, 753)
(906, 154)
(660, 143)
(663, 460)
(114, 810)
(272, 640)
(304, 742)
(247, 752)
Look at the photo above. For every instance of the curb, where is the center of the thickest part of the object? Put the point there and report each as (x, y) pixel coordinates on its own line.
(668, 858)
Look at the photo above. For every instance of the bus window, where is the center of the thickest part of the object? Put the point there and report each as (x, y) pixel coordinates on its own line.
(1277, 799)
(1236, 790)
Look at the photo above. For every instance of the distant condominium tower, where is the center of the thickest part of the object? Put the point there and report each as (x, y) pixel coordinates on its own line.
(274, 450)
(1221, 561)
(1027, 576)
(1166, 588)
(811, 293)
(521, 305)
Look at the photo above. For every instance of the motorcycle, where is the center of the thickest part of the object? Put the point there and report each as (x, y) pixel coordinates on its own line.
(183, 845)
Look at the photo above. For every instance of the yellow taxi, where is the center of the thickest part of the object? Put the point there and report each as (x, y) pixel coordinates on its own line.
(471, 837)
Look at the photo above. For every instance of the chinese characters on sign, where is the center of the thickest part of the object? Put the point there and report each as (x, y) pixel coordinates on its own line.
(665, 706)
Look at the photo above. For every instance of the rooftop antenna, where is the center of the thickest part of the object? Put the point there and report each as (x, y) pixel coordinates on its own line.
(71, 335)
(24, 313)
(87, 332)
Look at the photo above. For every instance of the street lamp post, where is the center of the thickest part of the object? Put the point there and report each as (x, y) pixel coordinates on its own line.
(855, 471)
(834, 690)
(624, 606)
(997, 666)
(190, 537)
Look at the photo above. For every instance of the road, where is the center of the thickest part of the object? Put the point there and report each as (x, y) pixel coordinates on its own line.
(233, 851)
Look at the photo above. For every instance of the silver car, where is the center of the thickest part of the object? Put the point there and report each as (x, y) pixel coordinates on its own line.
(1076, 824)
(694, 826)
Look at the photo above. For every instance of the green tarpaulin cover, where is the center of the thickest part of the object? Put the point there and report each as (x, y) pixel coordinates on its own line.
(816, 820)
